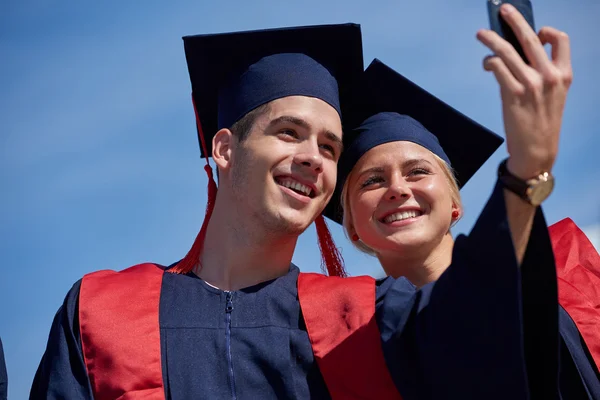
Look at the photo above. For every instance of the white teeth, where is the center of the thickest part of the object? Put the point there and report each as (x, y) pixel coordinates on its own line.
(292, 184)
(399, 216)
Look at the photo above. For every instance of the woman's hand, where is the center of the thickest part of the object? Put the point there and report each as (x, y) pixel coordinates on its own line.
(533, 96)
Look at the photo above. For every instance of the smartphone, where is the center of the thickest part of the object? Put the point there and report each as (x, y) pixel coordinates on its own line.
(500, 26)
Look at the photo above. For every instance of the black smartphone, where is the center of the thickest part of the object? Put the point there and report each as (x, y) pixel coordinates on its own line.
(498, 24)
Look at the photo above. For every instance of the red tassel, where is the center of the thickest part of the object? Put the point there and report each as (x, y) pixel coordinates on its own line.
(192, 258)
(332, 260)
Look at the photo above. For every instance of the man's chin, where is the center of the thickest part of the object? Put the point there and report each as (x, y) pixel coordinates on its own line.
(295, 223)
(296, 227)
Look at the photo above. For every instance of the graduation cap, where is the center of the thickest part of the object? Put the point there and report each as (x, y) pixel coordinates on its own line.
(388, 107)
(234, 73)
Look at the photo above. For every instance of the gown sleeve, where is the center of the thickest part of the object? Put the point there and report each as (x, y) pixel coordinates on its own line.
(62, 373)
(579, 377)
(463, 336)
(3, 375)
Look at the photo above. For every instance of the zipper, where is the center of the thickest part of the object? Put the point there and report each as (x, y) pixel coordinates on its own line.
(228, 310)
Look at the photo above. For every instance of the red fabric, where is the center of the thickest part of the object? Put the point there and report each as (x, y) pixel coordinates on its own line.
(331, 258)
(578, 270)
(340, 319)
(120, 333)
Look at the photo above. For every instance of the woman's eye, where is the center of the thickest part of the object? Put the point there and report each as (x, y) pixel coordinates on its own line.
(371, 180)
(418, 171)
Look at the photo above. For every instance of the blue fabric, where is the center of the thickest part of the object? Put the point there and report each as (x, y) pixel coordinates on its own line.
(274, 77)
(458, 338)
(465, 329)
(271, 355)
(385, 127)
(540, 317)
(579, 377)
(3, 375)
(62, 373)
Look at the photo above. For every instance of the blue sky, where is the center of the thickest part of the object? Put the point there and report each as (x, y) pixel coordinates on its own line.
(99, 163)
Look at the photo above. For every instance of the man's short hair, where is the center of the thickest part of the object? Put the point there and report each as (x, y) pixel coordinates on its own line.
(242, 128)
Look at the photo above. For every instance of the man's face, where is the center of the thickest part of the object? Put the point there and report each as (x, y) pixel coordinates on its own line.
(284, 172)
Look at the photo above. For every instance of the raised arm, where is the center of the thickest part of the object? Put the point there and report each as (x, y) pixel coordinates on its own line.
(533, 100)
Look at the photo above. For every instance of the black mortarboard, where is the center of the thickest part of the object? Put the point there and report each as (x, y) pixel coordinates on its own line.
(233, 73)
(388, 107)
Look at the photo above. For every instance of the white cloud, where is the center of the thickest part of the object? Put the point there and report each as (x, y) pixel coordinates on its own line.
(593, 233)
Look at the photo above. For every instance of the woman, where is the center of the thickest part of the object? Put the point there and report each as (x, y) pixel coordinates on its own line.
(400, 197)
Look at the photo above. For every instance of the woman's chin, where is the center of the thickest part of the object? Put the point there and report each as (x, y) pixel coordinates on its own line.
(402, 244)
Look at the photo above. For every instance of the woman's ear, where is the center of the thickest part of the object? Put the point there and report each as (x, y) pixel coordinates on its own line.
(456, 214)
(457, 208)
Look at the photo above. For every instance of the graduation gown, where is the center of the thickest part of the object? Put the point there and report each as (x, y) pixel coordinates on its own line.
(3, 375)
(578, 270)
(578, 375)
(461, 337)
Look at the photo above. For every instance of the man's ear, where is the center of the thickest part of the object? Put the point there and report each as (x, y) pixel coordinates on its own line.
(222, 147)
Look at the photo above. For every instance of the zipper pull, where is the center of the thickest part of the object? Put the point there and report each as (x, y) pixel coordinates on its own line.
(229, 303)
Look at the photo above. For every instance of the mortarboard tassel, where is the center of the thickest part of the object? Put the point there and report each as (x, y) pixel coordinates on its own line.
(192, 258)
(332, 260)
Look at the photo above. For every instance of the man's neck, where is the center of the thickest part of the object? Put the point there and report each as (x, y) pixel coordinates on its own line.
(422, 266)
(238, 254)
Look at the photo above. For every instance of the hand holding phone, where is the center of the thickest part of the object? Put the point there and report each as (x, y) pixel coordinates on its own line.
(500, 26)
(534, 95)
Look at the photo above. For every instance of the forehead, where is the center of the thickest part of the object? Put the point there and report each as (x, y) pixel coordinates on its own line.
(393, 153)
(316, 112)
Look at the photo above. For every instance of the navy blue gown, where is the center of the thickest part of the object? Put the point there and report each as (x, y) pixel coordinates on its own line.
(461, 337)
(3, 375)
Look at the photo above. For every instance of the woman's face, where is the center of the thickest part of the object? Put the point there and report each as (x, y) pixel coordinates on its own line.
(399, 198)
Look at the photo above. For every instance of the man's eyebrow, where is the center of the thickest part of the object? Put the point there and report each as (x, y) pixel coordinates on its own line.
(290, 119)
(335, 139)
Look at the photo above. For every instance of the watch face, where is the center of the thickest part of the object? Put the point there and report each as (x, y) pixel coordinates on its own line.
(540, 191)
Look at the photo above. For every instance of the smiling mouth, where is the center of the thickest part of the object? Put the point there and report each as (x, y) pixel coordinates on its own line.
(400, 216)
(296, 186)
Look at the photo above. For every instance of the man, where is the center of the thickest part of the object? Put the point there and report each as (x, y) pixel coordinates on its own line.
(268, 109)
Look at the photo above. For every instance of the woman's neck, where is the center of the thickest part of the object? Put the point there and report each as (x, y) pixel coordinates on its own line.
(420, 266)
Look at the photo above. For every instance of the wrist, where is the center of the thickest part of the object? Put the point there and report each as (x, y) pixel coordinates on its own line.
(527, 170)
(533, 187)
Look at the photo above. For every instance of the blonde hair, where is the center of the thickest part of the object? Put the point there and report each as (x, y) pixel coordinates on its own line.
(347, 217)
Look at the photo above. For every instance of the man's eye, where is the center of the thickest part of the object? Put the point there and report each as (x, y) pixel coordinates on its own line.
(289, 132)
(329, 148)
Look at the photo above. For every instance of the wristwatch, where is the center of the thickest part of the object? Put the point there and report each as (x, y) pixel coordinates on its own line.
(534, 190)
